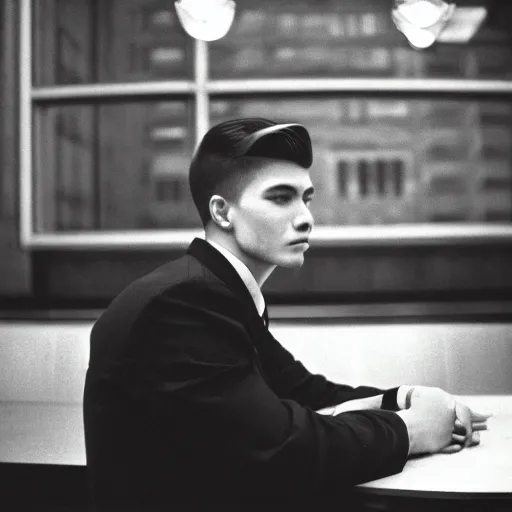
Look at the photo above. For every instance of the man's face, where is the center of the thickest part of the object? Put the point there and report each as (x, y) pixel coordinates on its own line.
(271, 219)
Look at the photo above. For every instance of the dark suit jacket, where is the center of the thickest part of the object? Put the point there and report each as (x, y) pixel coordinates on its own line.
(188, 397)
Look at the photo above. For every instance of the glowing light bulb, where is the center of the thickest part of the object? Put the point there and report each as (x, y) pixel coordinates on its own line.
(421, 21)
(207, 20)
(420, 38)
(422, 13)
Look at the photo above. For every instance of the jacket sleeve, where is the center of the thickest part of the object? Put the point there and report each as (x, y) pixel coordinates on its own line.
(197, 358)
(290, 379)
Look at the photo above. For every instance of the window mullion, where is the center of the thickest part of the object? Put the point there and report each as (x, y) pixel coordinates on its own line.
(25, 105)
(201, 111)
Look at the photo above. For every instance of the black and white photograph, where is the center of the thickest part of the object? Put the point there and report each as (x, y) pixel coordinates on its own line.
(256, 255)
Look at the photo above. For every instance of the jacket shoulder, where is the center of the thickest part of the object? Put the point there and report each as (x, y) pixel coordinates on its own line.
(185, 277)
(185, 280)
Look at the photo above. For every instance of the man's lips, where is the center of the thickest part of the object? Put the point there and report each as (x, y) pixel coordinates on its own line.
(299, 241)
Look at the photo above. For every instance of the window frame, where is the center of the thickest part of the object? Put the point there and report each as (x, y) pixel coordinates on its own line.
(201, 91)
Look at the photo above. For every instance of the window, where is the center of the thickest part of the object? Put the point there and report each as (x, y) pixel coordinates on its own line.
(371, 189)
(117, 41)
(349, 38)
(380, 161)
(103, 161)
(115, 96)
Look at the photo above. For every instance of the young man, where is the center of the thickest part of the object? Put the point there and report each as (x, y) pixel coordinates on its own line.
(190, 399)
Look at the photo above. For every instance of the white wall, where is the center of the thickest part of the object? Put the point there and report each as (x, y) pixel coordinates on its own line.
(42, 371)
(43, 362)
(46, 362)
(462, 358)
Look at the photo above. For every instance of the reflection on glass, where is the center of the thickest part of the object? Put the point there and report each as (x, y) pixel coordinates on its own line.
(86, 41)
(115, 166)
(350, 38)
(390, 161)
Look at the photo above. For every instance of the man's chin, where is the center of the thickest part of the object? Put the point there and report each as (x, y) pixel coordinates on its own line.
(296, 262)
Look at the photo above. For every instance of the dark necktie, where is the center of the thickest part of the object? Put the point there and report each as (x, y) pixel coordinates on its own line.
(264, 317)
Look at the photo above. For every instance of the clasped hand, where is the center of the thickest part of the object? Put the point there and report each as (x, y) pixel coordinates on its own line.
(440, 423)
(466, 429)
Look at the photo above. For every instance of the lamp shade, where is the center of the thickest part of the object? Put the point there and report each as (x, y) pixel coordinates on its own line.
(421, 21)
(207, 20)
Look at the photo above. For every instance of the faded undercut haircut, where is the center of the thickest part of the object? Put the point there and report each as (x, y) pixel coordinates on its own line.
(231, 149)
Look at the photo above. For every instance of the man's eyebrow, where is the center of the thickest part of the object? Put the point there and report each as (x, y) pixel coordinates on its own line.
(281, 188)
(289, 188)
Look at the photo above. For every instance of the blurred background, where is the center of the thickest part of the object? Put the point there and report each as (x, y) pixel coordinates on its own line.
(105, 102)
(102, 104)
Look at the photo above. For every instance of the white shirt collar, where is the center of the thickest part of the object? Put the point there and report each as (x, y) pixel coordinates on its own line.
(245, 275)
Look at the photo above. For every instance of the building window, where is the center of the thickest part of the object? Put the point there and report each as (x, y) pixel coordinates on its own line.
(120, 95)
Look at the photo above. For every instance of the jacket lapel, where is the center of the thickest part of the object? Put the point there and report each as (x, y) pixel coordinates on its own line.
(214, 261)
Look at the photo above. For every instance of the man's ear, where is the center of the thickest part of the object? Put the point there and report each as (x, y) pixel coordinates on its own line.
(219, 212)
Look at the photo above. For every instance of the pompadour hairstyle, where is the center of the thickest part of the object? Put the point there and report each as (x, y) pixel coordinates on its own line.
(232, 148)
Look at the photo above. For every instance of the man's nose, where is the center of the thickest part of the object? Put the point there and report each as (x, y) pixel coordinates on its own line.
(304, 219)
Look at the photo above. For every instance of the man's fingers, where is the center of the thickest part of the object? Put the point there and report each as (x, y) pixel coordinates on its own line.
(463, 414)
(461, 439)
(452, 448)
(458, 439)
(458, 443)
(478, 416)
(459, 429)
(475, 439)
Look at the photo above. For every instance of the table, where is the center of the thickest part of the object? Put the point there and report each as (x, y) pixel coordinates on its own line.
(53, 434)
(481, 473)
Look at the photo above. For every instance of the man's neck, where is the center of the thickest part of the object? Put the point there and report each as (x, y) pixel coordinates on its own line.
(260, 270)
